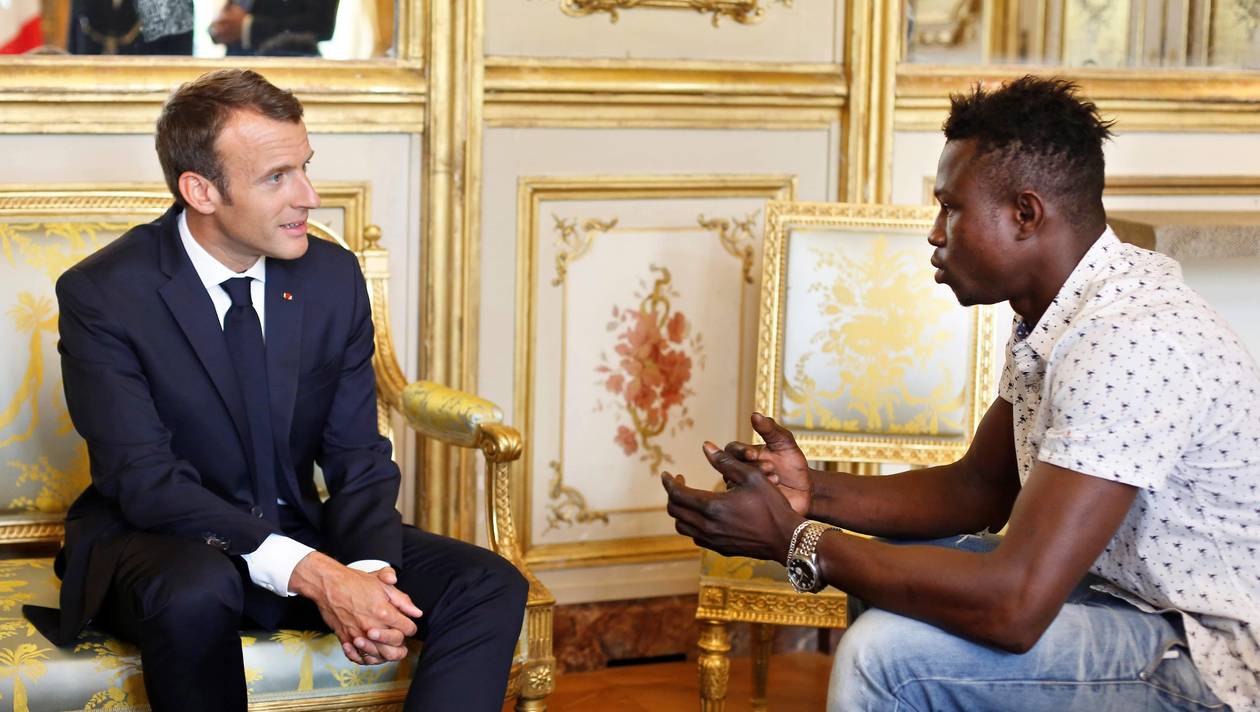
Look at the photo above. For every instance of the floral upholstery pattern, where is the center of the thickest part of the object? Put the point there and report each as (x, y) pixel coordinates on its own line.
(100, 672)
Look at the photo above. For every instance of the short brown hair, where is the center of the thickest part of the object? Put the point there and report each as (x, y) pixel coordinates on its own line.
(194, 116)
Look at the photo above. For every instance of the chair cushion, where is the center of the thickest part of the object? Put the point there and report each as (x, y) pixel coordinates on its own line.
(100, 671)
(738, 568)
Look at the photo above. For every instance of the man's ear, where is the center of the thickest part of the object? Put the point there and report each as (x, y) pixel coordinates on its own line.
(1030, 213)
(199, 193)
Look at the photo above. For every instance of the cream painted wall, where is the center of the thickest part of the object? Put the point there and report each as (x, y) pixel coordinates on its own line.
(390, 163)
(510, 153)
(1129, 154)
(804, 32)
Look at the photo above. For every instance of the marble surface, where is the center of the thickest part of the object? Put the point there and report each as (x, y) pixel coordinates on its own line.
(589, 636)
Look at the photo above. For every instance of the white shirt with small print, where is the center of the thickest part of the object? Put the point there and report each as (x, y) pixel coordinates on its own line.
(271, 564)
(1130, 376)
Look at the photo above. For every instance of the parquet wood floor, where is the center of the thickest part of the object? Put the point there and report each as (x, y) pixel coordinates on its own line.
(798, 683)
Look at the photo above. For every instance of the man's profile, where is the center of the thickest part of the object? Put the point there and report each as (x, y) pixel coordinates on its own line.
(1122, 455)
(211, 360)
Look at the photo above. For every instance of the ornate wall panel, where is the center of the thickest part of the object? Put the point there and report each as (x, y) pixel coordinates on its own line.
(771, 30)
(658, 211)
(637, 302)
(860, 354)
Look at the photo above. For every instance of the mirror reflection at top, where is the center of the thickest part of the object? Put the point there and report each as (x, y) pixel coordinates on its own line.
(1085, 33)
(332, 29)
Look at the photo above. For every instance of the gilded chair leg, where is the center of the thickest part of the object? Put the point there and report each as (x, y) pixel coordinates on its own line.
(715, 666)
(539, 681)
(762, 641)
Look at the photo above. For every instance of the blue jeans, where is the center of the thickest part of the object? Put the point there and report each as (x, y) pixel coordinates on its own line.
(1100, 654)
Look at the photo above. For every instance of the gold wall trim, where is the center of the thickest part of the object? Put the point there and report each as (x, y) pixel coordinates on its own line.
(871, 58)
(1182, 185)
(1156, 185)
(531, 193)
(604, 553)
(449, 292)
(745, 12)
(51, 95)
(614, 93)
(1139, 100)
(112, 95)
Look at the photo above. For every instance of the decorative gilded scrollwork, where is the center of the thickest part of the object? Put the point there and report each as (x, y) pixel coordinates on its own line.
(568, 505)
(879, 322)
(919, 435)
(571, 245)
(737, 236)
(745, 12)
(777, 606)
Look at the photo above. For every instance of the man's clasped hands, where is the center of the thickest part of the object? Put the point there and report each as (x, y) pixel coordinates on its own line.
(366, 611)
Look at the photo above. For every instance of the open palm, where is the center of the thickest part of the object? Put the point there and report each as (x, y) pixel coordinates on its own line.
(780, 459)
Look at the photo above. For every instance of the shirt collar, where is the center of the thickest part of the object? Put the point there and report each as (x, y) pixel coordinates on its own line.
(1042, 338)
(211, 271)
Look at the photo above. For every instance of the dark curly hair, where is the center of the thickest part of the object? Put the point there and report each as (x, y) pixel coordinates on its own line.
(1037, 133)
(194, 116)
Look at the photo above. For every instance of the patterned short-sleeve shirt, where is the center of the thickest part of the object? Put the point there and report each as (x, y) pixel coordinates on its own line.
(1130, 376)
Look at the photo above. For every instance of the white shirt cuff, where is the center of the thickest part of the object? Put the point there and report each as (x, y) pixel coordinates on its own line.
(272, 563)
(367, 565)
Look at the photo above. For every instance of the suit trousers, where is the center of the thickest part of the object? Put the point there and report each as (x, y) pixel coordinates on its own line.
(183, 604)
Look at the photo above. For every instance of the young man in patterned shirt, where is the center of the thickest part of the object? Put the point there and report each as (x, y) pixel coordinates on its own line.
(1122, 454)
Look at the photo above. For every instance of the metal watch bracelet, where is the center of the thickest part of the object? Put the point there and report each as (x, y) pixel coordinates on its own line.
(796, 533)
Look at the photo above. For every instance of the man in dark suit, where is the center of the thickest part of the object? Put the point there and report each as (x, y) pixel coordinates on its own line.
(275, 27)
(210, 360)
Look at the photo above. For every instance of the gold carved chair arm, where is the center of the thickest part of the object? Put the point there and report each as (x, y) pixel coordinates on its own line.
(464, 420)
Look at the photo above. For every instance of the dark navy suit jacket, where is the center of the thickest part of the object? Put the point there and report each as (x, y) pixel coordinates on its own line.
(150, 386)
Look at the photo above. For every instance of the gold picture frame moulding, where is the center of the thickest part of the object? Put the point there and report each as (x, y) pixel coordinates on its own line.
(532, 192)
(782, 218)
(1172, 100)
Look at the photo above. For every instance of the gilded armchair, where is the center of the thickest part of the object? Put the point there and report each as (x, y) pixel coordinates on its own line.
(860, 355)
(43, 466)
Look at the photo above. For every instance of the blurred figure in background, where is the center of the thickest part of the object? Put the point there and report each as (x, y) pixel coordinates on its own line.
(131, 27)
(275, 27)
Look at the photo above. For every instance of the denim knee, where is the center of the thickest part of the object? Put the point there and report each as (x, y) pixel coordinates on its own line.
(875, 656)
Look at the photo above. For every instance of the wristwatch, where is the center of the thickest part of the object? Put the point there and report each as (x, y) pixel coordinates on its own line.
(802, 562)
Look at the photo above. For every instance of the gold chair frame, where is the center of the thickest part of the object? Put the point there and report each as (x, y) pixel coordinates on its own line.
(451, 416)
(766, 601)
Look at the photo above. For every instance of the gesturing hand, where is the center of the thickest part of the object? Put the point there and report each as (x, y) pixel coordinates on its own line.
(370, 617)
(752, 518)
(227, 27)
(780, 459)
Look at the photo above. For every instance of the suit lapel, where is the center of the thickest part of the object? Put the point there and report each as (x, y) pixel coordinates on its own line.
(284, 347)
(186, 297)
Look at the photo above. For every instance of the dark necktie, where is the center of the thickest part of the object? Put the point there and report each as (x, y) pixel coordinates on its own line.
(243, 333)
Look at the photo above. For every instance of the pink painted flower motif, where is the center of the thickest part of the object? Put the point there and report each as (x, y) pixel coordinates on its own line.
(652, 371)
(626, 439)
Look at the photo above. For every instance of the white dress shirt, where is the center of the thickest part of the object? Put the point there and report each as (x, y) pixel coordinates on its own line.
(271, 564)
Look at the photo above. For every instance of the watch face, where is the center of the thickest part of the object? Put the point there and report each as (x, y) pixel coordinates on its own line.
(802, 574)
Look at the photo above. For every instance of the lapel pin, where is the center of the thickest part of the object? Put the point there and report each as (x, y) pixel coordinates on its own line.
(288, 296)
